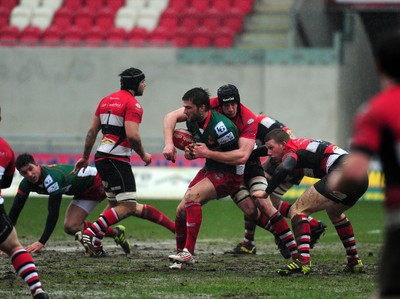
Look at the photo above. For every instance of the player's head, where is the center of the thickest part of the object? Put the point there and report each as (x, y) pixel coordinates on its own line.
(28, 168)
(228, 94)
(275, 142)
(196, 102)
(131, 79)
(387, 55)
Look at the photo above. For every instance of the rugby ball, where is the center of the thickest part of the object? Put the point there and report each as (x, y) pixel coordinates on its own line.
(182, 138)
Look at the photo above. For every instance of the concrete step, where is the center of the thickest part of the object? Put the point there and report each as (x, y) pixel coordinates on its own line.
(267, 22)
(263, 40)
(273, 6)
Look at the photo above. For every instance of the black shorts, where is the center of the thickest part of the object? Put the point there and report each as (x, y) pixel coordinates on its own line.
(6, 225)
(253, 169)
(117, 176)
(348, 198)
(388, 272)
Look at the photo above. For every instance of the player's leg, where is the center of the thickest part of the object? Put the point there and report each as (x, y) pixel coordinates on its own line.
(152, 214)
(21, 260)
(277, 222)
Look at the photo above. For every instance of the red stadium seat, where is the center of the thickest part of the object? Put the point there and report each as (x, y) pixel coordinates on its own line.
(234, 20)
(200, 5)
(169, 18)
(179, 5)
(4, 16)
(212, 19)
(30, 36)
(84, 18)
(105, 18)
(116, 37)
(223, 38)
(137, 37)
(243, 6)
(74, 5)
(9, 35)
(190, 19)
(52, 36)
(94, 4)
(222, 5)
(63, 18)
(95, 36)
(74, 36)
(160, 36)
(201, 38)
(9, 4)
(114, 5)
(181, 38)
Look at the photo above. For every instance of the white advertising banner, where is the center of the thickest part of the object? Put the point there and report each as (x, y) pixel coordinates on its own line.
(151, 182)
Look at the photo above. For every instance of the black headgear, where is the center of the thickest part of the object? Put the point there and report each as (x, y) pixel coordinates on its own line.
(227, 93)
(131, 78)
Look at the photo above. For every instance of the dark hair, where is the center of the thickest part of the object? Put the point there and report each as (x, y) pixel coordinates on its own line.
(23, 160)
(387, 55)
(199, 96)
(278, 135)
(131, 78)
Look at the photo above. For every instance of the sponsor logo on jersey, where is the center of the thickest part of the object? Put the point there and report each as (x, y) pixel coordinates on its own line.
(48, 181)
(53, 188)
(220, 128)
(138, 105)
(250, 121)
(226, 139)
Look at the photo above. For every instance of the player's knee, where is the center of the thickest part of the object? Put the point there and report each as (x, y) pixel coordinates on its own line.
(241, 196)
(71, 228)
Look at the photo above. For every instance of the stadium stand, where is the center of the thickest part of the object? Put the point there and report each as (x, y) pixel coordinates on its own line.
(166, 22)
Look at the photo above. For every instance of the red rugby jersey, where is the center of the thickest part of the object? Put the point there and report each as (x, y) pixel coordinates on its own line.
(113, 111)
(7, 165)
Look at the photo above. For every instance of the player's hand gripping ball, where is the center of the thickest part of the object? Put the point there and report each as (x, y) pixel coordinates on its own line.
(182, 138)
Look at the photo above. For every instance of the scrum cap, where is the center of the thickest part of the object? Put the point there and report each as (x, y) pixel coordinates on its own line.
(227, 93)
(131, 78)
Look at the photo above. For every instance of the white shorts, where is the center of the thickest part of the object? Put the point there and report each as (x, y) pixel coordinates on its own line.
(86, 205)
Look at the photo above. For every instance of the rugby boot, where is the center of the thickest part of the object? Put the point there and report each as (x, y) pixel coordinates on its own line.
(282, 248)
(40, 294)
(120, 239)
(354, 268)
(242, 249)
(316, 233)
(295, 267)
(90, 248)
(184, 257)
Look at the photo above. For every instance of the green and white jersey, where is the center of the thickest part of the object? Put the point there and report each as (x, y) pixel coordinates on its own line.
(219, 133)
(59, 179)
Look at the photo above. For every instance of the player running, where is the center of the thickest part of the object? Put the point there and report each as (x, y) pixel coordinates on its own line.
(317, 159)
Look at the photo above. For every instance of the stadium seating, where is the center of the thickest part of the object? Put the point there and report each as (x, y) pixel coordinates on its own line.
(63, 18)
(95, 36)
(42, 17)
(9, 35)
(52, 36)
(4, 16)
(30, 36)
(144, 22)
(116, 37)
(126, 18)
(20, 16)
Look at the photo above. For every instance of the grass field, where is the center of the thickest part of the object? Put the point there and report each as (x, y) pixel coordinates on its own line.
(67, 273)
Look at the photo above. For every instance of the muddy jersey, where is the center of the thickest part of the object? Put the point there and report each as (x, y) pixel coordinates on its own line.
(314, 158)
(219, 134)
(113, 111)
(377, 131)
(7, 166)
(245, 122)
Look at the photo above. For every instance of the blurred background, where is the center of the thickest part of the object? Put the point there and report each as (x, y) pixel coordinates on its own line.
(307, 63)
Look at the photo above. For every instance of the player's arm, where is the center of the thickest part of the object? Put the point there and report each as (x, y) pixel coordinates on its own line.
(287, 166)
(233, 157)
(135, 141)
(89, 142)
(53, 208)
(19, 202)
(170, 121)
